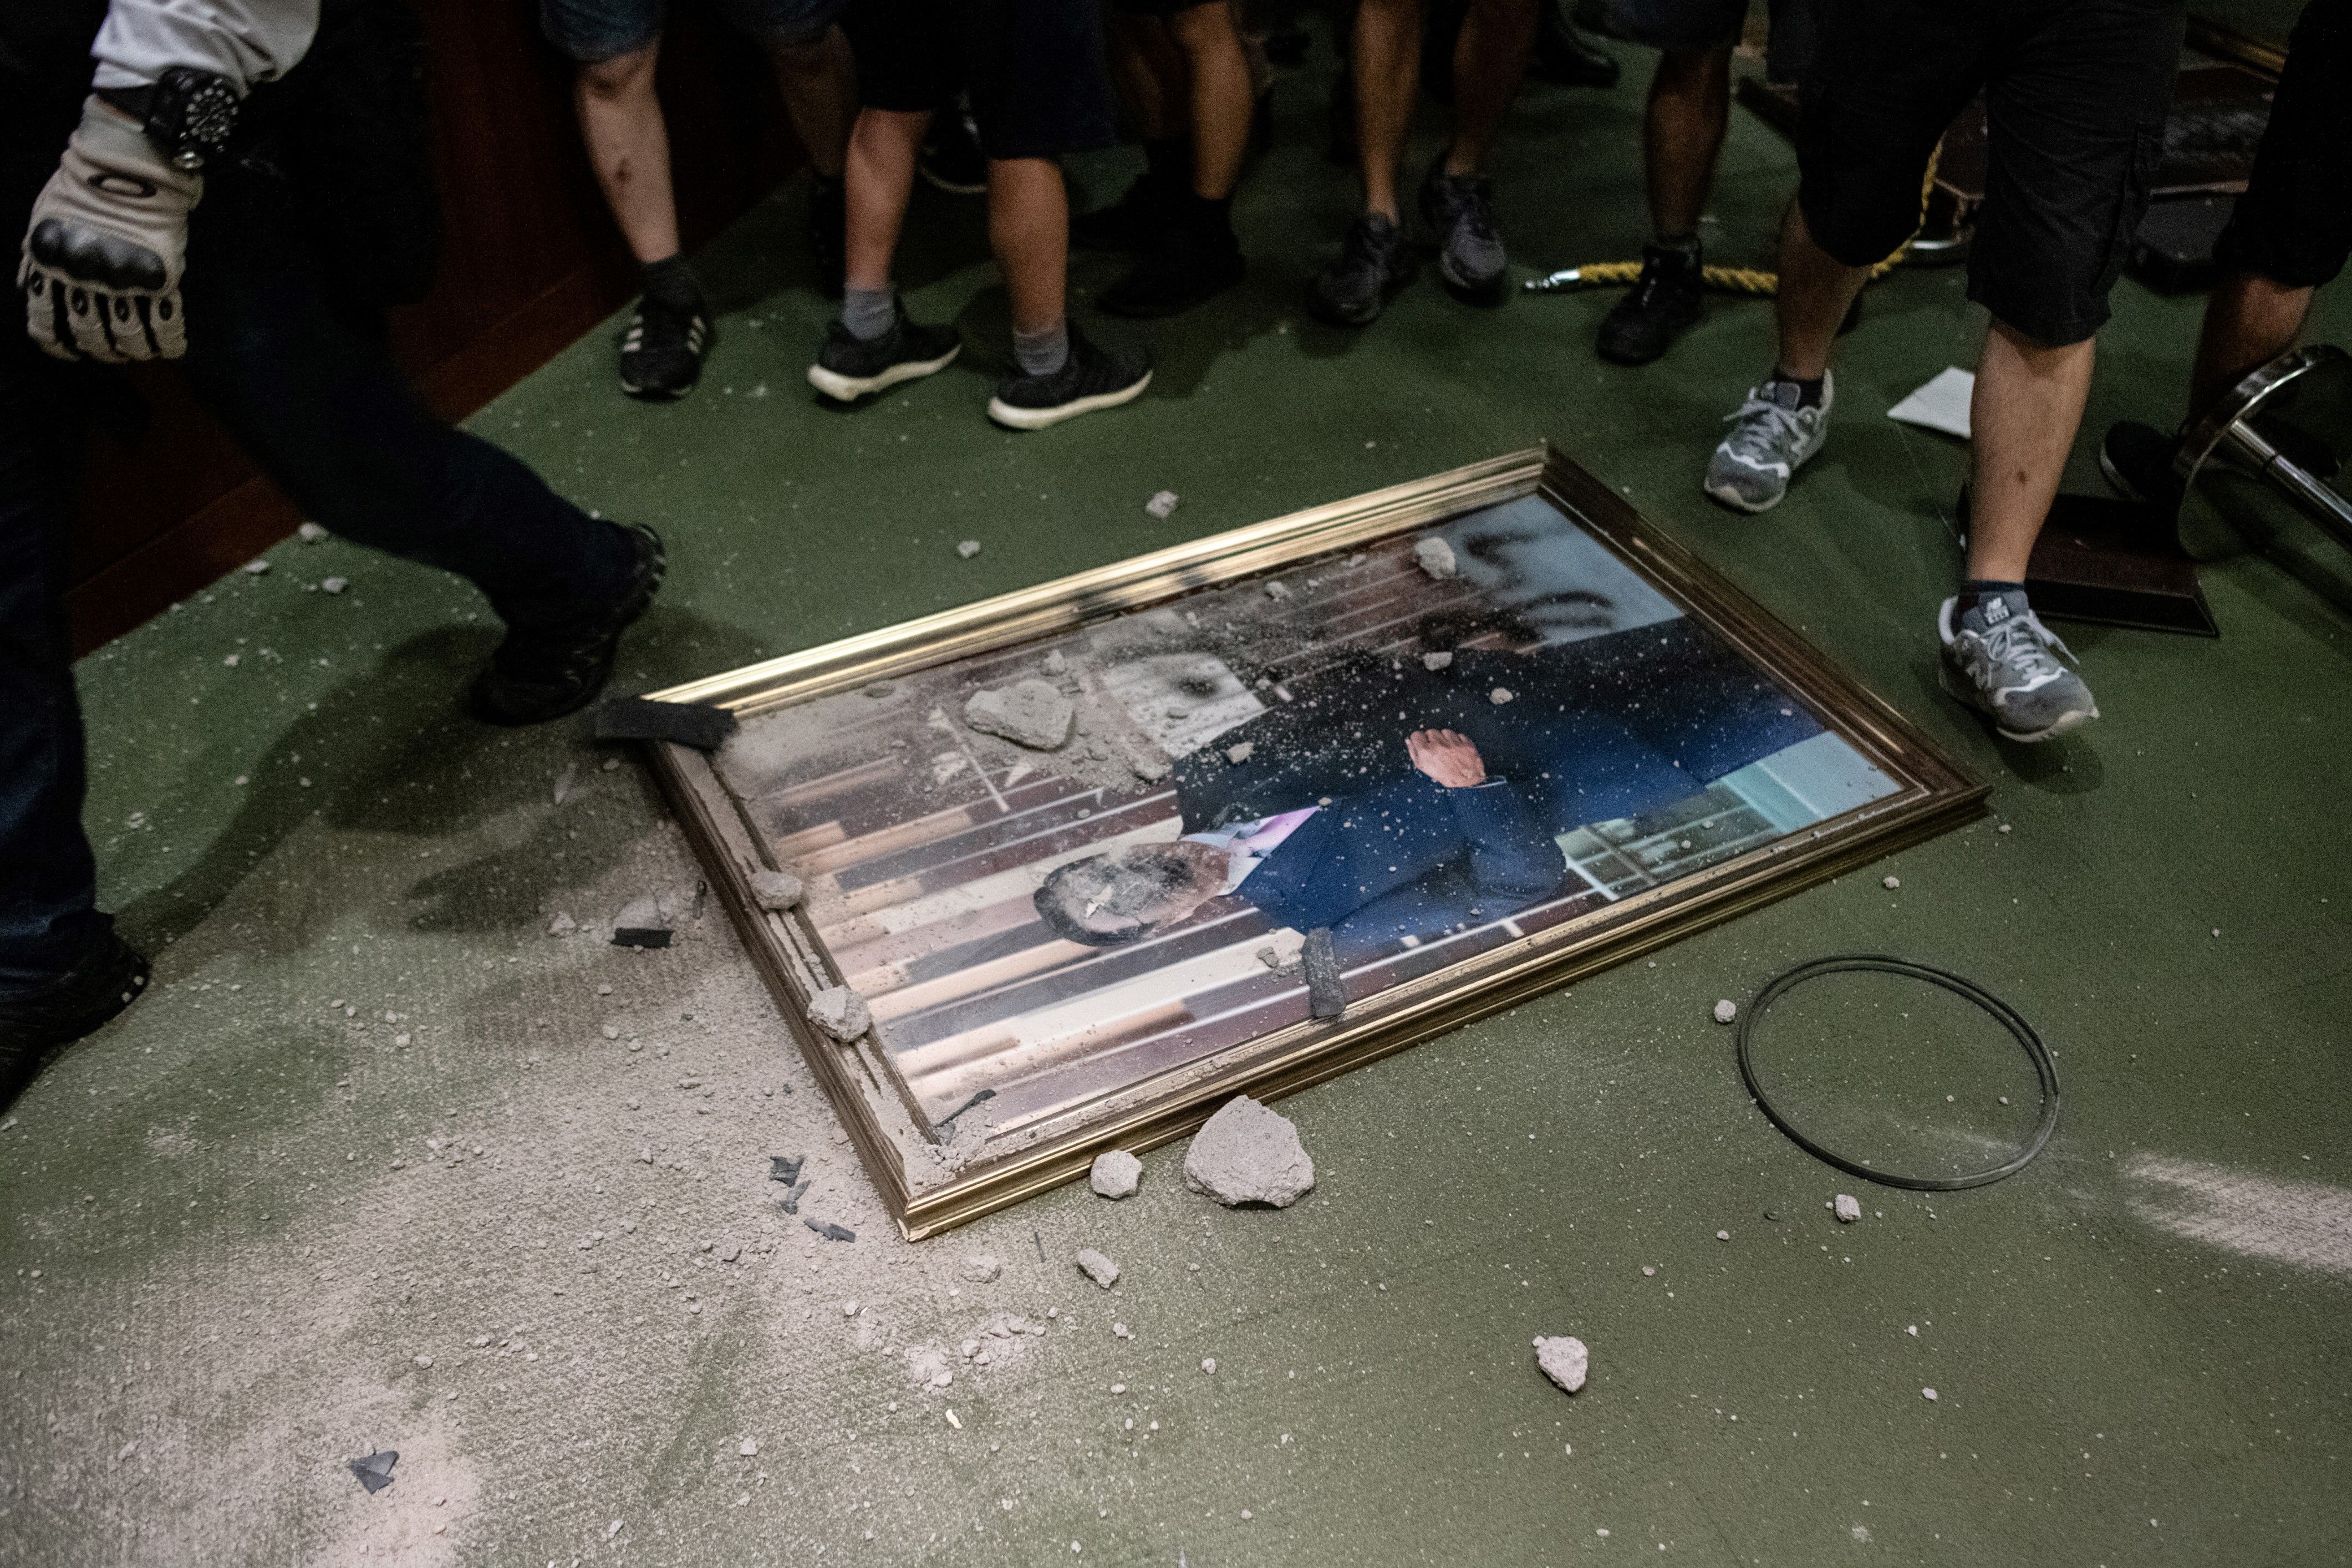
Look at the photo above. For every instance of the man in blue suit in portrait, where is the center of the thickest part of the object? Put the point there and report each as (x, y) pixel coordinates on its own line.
(1390, 799)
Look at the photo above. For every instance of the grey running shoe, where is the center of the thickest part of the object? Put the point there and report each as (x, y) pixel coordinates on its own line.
(1997, 660)
(1770, 437)
(1372, 265)
(1460, 209)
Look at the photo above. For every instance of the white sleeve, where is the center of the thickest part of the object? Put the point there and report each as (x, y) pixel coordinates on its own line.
(247, 41)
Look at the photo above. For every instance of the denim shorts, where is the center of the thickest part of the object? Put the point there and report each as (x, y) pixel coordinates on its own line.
(593, 30)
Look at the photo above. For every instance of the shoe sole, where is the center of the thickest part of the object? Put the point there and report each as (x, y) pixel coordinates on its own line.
(1013, 418)
(850, 388)
(1489, 293)
(2067, 724)
(1738, 503)
(1614, 356)
(1322, 310)
(657, 394)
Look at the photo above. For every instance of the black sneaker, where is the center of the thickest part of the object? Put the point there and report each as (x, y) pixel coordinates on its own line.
(661, 356)
(951, 158)
(2137, 460)
(544, 672)
(1189, 266)
(1460, 211)
(1137, 221)
(109, 978)
(1661, 306)
(828, 231)
(1089, 379)
(848, 368)
(1372, 266)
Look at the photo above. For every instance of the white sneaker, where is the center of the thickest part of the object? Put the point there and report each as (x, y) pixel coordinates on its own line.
(1770, 437)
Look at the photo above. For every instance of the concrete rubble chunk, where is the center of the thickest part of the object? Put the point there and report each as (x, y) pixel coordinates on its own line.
(310, 533)
(1161, 504)
(335, 585)
(1564, 1360)
(1436, 661)
(1248, 1154)
(1847, 1207)
(1055, 663)
(1500, 695)
(1435, 556)
(968, 549)
(561, 925)
(1726, 1010)
(982, 1268)
(1116, 1173)
(841, 1012)
(775, 889)
(1098, 1268)
(1240, 753)
(1029, 713)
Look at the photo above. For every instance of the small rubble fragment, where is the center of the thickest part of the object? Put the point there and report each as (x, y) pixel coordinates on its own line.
(335, 585)
(1500, 695)
(1150, 769)
(968, 549)
(841, 1012)
(375, 1472)
(1564, 1360)
(309, 533)
(1725, 1011)
(1276, 589)
(1209, 1364)
(1055, 663)
(786, 1168)
(775, 889)
(828, 1230)
(1847, 1207)
(1098, 1268)
(640, 923)
(561, 925)
(1029, 713)
(1248, 1154)
(1891, 883)
(1434, 662)
(1241, 752)
(1327, 983)
(982, 1267)
(565, 780)
(1161, 504)
(1116, 1173)
(749, 1448)
(1927, 1394)
(256, 568)
(1435, 556)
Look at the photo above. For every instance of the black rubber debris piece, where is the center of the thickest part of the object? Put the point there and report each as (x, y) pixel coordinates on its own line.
(695, 724)
(792, 1196)
(786, 1168)
(1326, 986)
(375, 1472)
(947, 1122)
(640, 936)
(828, 1230)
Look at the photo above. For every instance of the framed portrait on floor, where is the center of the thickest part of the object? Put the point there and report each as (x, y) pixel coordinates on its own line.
(1238, 815)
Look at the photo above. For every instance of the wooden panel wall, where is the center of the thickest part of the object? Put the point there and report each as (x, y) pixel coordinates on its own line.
(529, 262)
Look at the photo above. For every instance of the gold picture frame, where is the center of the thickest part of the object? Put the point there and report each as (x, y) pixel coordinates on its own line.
(899, 1141)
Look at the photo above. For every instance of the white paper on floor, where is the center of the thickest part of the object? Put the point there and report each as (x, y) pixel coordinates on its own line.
(1941, 404)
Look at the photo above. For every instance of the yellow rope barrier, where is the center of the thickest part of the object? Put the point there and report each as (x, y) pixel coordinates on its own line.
(1750, 280)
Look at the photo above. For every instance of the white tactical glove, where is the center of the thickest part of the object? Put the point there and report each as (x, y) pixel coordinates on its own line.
(109, 237)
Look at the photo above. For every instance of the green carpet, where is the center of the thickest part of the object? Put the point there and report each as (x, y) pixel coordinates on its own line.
(237, 1226)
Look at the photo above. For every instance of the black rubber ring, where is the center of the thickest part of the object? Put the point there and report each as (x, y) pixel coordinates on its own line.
(2044, 1066)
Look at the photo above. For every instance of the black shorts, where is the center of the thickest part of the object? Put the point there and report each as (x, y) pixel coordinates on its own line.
(2075, 94)
(2294, 225)
(1158, 7)
(1033, 68)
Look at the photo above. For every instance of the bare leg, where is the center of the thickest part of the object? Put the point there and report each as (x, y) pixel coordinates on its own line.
(1816, 291)
(1029, 228)
(1690, 105)
(880, 169)
(2249, 322)
(819, 83)
(2028, 404)
(1221, 96)
(620, 124)
(1489, 57)
(1387, 66)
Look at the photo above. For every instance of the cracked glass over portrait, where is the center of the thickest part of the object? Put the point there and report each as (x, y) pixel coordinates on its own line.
(1063, 869)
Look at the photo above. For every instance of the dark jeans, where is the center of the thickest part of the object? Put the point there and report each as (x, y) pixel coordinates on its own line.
(301, 377)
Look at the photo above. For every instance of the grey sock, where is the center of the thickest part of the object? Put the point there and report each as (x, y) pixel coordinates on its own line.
(869, 313)
(1042, 353)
